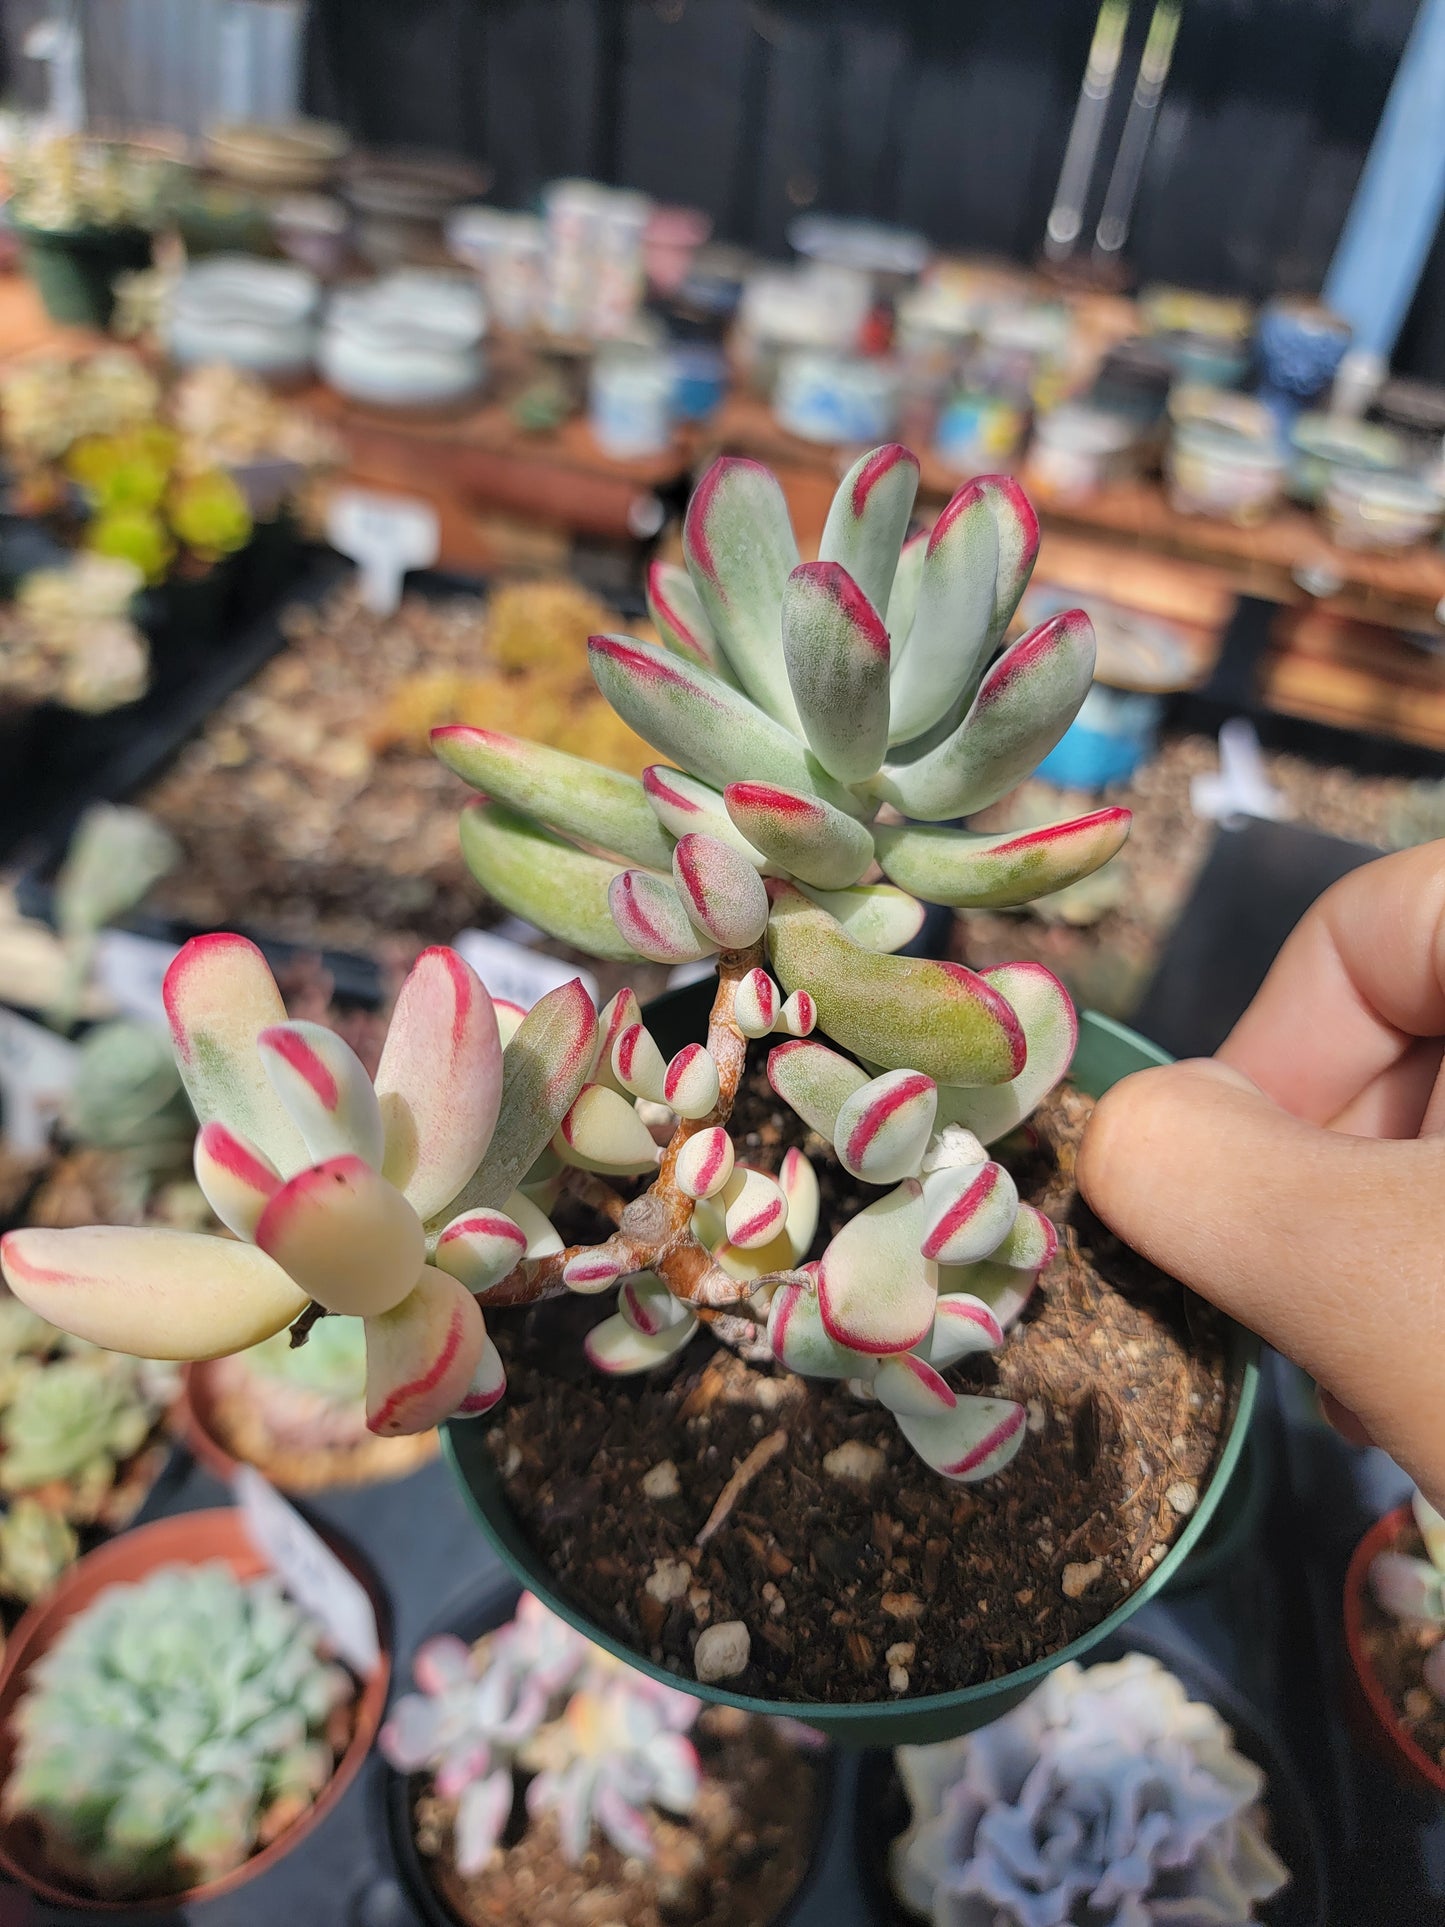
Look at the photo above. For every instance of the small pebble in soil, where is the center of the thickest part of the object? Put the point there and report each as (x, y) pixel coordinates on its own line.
(668, 1580)
(854, 1462)
(661, 1481)
(898, 1679)
(722, 1651)
(1183, 1496)
(1080, 1575)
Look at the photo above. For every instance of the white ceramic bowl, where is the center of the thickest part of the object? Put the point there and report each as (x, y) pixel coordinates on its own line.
(252, 314)
(411, 340)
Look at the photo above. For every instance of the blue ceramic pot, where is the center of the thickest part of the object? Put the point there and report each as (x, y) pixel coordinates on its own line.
(1300, 344)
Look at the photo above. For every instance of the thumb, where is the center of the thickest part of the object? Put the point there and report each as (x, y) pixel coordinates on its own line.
(1325, 1244)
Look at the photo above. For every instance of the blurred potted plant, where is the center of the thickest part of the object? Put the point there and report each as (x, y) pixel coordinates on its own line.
(1394, 1629)
(85, 212)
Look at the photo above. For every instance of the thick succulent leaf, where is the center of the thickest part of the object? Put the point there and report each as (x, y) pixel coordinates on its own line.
(715, 733)
(905, 1013)
(1051, 1029)
(909, 1386)
(155, 1294)
(616, 1348)
(1018, 545)
(649, 1307)
(799, 1342)
(876, 915)
(970, 1213)
(962, 1324)
(652, 918)
(755, 1004)
(691, 1085)
(1431, 1527)
(740, 549)
(680, 618)
(592, 1271)
(815, 1081)
(582, 799)
(883, 1129)
(638, 1066)
(685, 807)
(998, 872)
(948, 644)
(798, 1182)
(1023, 706)
(602, 1132)
(1408, 1588)
(543, 1069)
(801, 834)
(219, 996)
(439, 1082)
(798, 1016)
(754, 1208)
(973, 1441)
(236, 1180)
(721, 891)
(1004, 1290)
(325, 1088)
(876, 1290)
(509, 1019)
(421, 1355)
(868, 519)
(538, 876)
(487, 1383)
(618, 1014)
(1030, 1244)
(705, 1163)
(537, 1227)
(759, 1261)
(480, 1248)
(837, 655)
(903, 597)
(348, 1238)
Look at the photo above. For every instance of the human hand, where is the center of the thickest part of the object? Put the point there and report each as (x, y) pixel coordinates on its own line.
(1297, 1179)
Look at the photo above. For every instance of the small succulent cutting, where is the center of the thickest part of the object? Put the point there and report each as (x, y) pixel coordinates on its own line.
(601, 1743)
(172, 1726)
(1107, 1799)
(1414, 1589)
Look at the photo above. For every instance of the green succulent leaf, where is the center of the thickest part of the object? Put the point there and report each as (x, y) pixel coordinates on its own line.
(903, 597)
(877, 915)
(581, 799)
(837, 654)
(1045, 1011)
(947, 645)
(740, 550)
(802, 835)
(998, 872)
(1018, 546)
(681, 620)
(652, 918)
(685, 807)
(536, 875)
(869, 519)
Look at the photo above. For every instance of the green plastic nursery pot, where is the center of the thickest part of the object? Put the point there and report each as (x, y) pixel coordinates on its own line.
(1107, 1051)
(74, 269)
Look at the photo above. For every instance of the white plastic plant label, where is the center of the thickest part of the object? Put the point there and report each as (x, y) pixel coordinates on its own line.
(518, 974)
(384, 535)
(131, 971)
(309, 1569)
(37, 1069)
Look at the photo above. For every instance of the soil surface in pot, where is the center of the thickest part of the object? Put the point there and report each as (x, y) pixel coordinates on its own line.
(1397, 1650)
(736, 1862)
(868, 1576)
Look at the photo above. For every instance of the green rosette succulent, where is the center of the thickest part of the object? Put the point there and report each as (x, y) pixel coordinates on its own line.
(74, 1421)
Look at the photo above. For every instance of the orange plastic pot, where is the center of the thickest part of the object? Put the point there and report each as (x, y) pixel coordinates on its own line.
(191, 1539)
(1373, 1715)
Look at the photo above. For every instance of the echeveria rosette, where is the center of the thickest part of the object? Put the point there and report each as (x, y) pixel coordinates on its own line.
(393, 1200)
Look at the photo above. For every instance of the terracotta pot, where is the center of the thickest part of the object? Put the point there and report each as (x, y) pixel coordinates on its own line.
(1371, 1710)
(192, 1539)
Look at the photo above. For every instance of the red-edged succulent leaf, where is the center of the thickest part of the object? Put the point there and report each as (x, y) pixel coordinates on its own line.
(1030, 1244)
(618, 1014)
(739, 547)
(755, 1004)
(962, 1324)
(875, 915)
(439, 1082)
(905, 1013)
(799, 1015)
(1023, 706)
(837, 654)
(582, 799)
(615, 1348)
(543, 878)
(509, 1017)
(721, 891)
(903, 597)
(536, 1226)
(592, 1271)
(236, 1180)
(649, 1307)
(686, 807)
(487, 1383)
(1051, 1029)
(801, 834)
(480, 1248)
(422, 1355)
(652, 918)
(219, 996)
(869, 519)
(799, 1342)
(1003, 1289)
(691, 1084)
(758, 1261)
(156, 1294)
(348, 1238)
(798, 1182)
(638, 1065)
(973, 1441)
(1018, 545)
(704, 1163)
(543, 1069)
(755, 1210)
(680, 618)
(883, 1128)
(947, 645)
(999, 872)
(325, 1088)
(815, 1081)
(875, 1288)
(970, 1213)
(602, 1132)
(910, 1387)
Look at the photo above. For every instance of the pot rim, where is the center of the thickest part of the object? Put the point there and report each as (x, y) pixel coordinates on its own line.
(172, 1541)
(859, 1721)
(1381, 1536)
